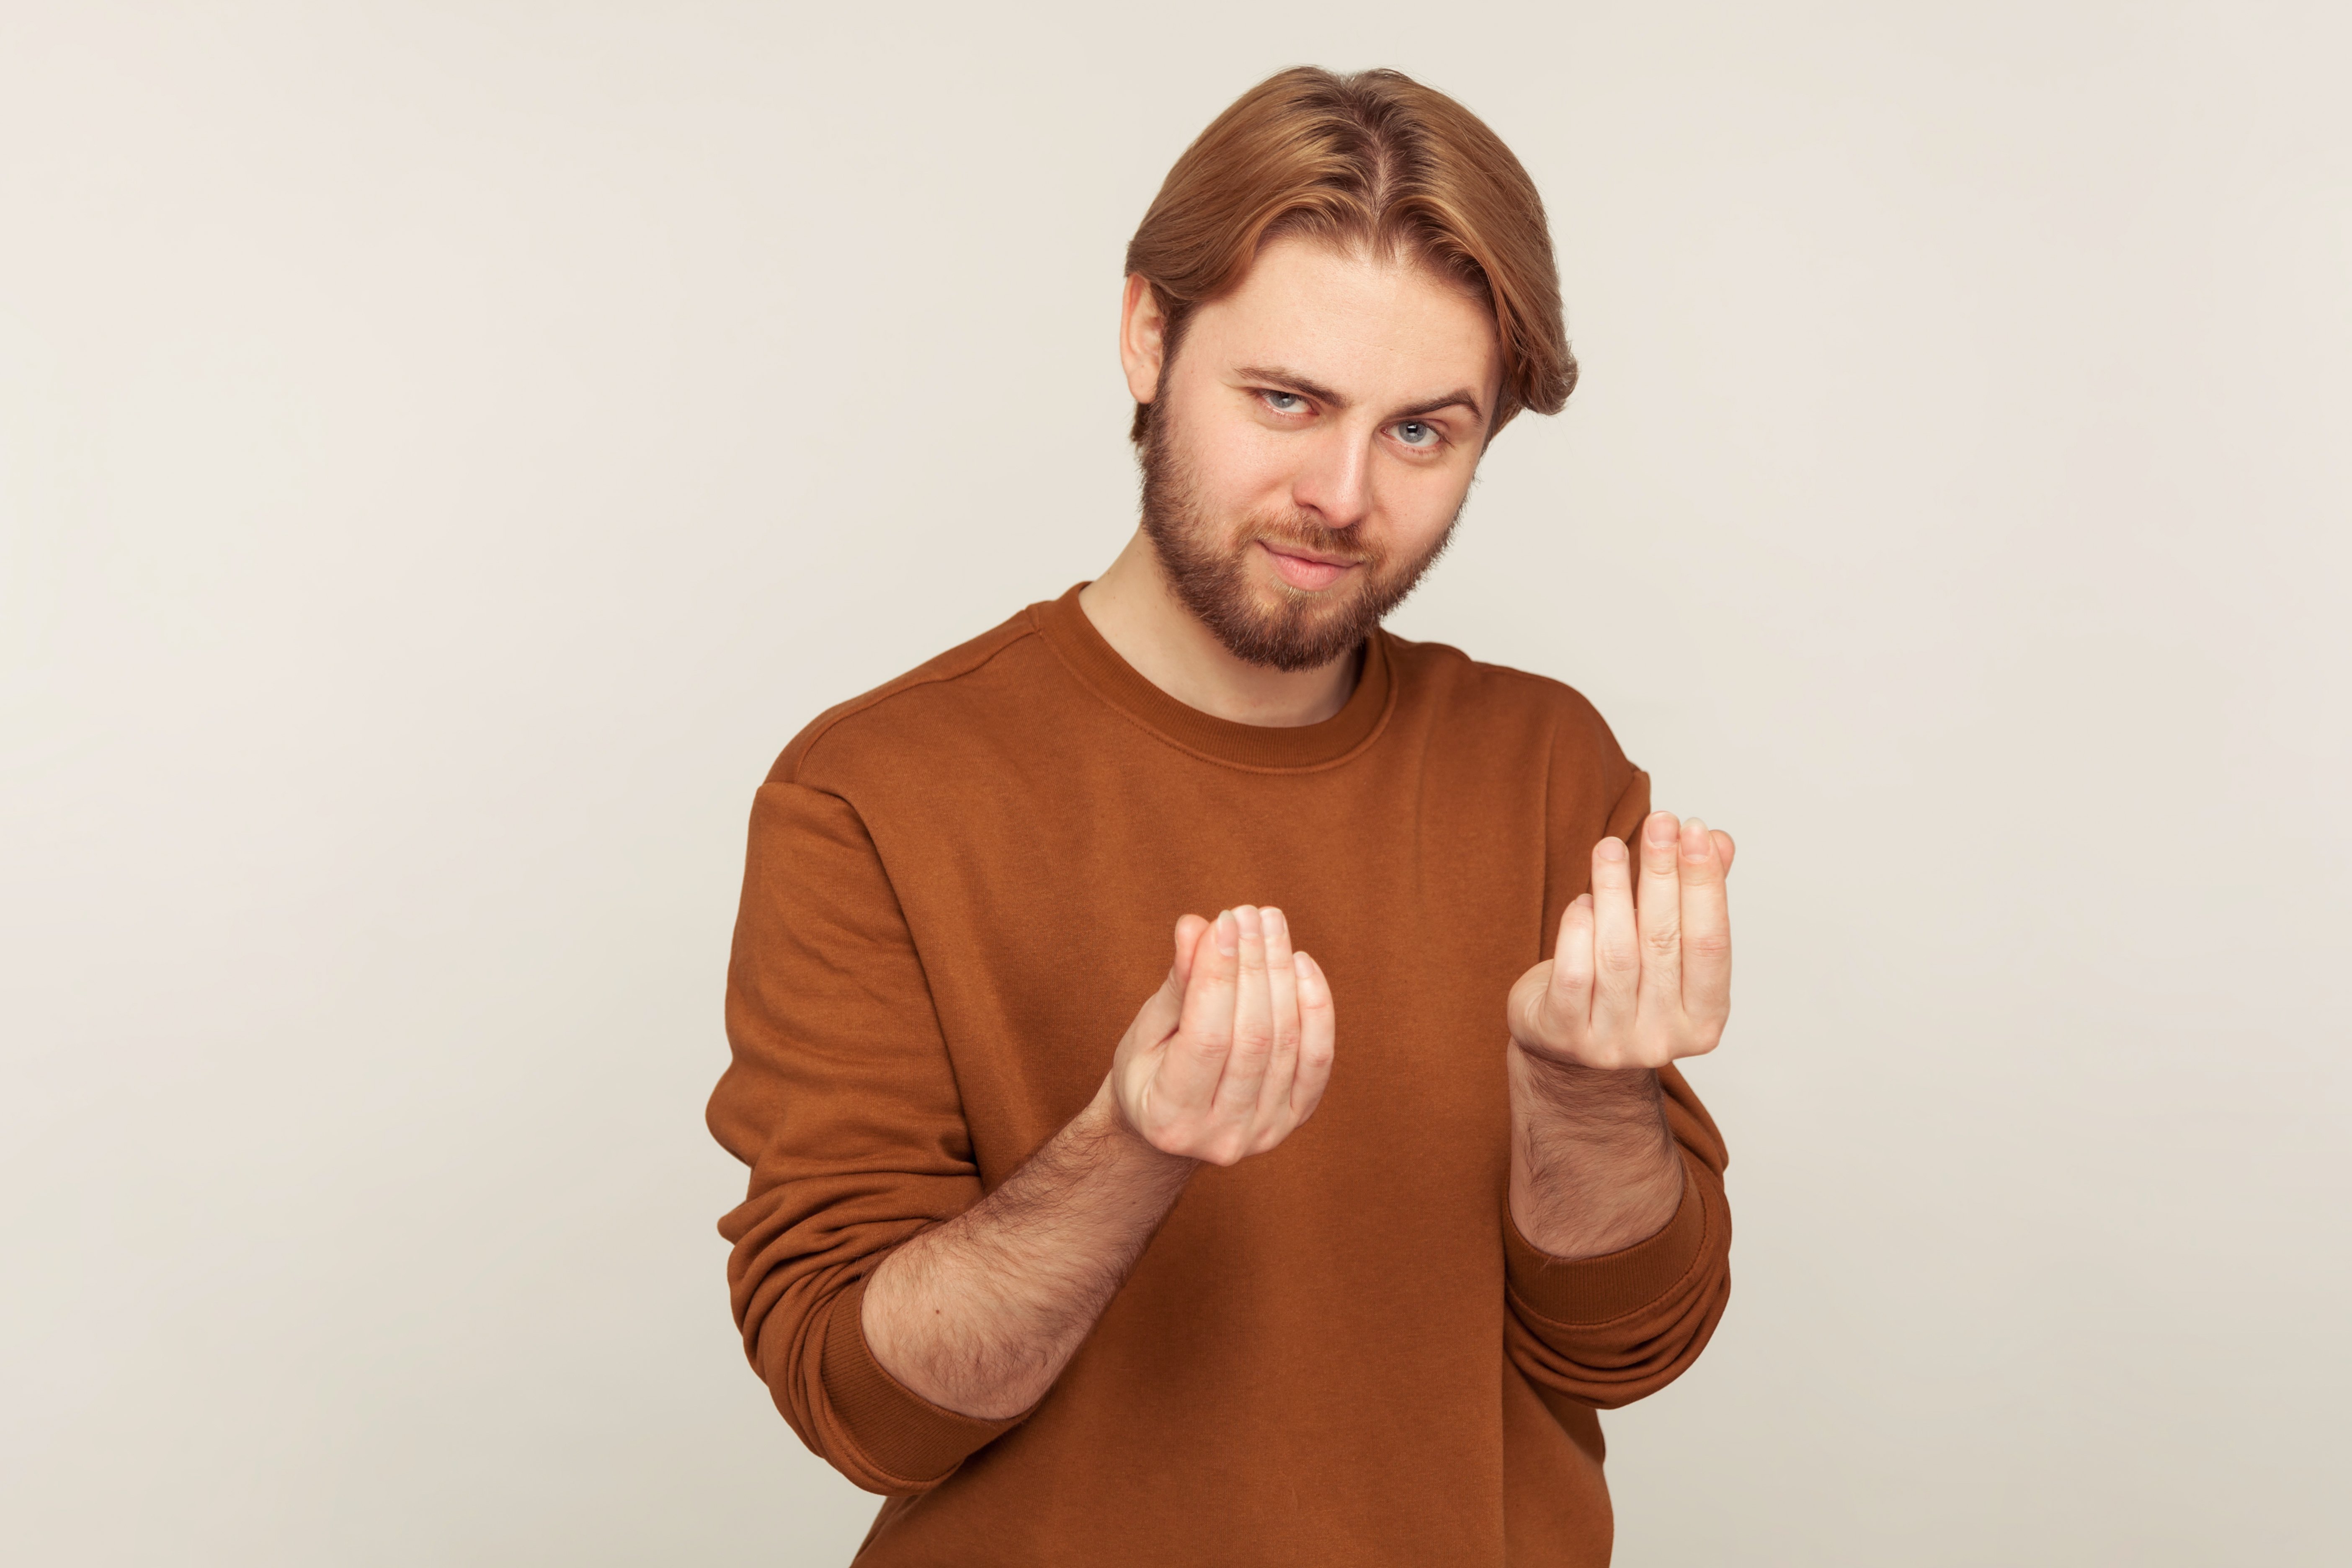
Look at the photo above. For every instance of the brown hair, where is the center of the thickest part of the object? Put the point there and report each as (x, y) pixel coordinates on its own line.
(1372, 159)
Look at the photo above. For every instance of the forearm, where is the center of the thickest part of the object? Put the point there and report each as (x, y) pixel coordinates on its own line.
(1594, 1168)
(981, 1313)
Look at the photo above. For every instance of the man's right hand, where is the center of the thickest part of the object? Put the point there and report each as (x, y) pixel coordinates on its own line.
(1234, 1050)
(980, 1312)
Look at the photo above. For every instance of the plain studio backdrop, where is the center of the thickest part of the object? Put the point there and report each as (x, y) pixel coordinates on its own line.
(447, 449)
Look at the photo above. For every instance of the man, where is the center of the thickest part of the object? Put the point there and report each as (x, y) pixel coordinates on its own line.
(1303, 1259)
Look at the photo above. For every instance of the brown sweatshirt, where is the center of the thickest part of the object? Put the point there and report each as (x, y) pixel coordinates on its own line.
(960, 890)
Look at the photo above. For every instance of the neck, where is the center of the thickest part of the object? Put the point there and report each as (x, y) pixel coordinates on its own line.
(1137, 612)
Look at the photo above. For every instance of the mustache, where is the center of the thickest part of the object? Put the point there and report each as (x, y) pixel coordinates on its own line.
(1303, 533)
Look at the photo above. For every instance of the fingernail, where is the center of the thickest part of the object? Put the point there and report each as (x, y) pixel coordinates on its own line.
(1229, 939)
(1253, 923)
(1275, 923)
(1612, 850)
(1695, 844)
(1660, 828)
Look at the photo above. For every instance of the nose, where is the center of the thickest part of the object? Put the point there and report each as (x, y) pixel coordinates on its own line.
(1336, 482)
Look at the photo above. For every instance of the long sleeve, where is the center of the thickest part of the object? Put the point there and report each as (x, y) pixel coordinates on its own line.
(960, 888)
(841, 1099)
(1607, 1330)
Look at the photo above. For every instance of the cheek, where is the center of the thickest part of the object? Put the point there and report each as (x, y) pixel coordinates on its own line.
(1419, 505)
(1244, 469)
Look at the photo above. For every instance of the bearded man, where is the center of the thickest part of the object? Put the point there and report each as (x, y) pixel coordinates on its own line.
(1085, 1252)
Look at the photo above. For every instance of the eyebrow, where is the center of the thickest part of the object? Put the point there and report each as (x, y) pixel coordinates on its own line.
(1461, 397)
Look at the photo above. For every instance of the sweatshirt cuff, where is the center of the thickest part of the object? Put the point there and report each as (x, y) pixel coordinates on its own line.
(1595, 1289)
(902, 1434)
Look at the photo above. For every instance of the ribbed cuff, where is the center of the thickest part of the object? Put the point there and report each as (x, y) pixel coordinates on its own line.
(901, 1433)
(1595, 1289)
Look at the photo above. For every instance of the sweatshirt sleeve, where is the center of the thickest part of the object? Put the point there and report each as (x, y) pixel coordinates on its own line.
(1608, 1330)
(841, 1099)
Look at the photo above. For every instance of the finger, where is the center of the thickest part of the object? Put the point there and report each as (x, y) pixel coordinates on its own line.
(1616, 946)
(1724, 847)
(1253, 1029)
(1706, 927)
(1569, 998)
(1196, 1061)
(1318, 1035)
(1659, 913)
(1282, 993)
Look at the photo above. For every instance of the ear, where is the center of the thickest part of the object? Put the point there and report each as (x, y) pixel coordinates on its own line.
(1143, 338)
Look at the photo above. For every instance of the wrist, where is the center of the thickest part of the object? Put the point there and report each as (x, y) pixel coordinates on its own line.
(1542, 1072)
(1105, 1119)
(1622, 1110)
(1594, 1164)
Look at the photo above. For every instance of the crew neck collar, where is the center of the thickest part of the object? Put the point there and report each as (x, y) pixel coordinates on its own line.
(1269, 748)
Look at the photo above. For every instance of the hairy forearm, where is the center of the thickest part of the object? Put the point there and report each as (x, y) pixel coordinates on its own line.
(981, 1313)
(1594, 1168)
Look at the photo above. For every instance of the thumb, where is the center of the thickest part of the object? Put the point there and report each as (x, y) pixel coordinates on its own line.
(1188, 936)
(1524, 1009)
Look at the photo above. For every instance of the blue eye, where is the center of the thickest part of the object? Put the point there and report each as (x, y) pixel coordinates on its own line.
(1283, 402)
(1413, 433)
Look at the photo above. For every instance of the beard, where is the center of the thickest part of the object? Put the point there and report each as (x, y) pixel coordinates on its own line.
(1207, 563)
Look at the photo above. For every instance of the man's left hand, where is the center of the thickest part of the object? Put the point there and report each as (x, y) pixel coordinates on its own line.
(1636, 984)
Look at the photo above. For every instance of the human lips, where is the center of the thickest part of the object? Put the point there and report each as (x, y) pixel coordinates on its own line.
(1304, 568)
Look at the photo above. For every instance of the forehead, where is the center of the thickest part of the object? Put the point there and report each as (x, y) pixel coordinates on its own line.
(1367, 326)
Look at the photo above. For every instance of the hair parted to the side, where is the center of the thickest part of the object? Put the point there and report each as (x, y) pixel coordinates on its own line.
(1372, 159)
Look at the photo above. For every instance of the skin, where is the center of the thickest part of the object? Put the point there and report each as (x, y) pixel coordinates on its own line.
(1360, 393)
(1381, 339)
(980, 1314)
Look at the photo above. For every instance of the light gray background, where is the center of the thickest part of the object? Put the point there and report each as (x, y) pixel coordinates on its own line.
(446, 450)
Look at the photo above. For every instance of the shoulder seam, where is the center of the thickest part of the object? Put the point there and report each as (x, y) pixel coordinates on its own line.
(1511, 670)
(1476, 663)
(1552, 682)
(905, 683)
